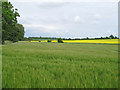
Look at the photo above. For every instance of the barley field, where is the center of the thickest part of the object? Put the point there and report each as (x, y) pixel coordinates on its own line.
(59, 65)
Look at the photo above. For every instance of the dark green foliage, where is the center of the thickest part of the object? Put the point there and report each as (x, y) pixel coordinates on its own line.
(107, 37)
(0, 22)
(20, 31)
(87, 38)
(101, 38)
(116, 37)
(11, 30)
(69, 39)
(9, 15)
(25, 39)
(33, 38)
(48, 40)
(29, 39)
(111, 37)
(60, 40)
(54, 38)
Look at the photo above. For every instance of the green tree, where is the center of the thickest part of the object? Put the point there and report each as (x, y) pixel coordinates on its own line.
(107, 37)
(48, 40)
(0, 22)
(20, 31)
(111, 37)
(16, 33)
(60, 40)
(11, 30)
(87, 38)
(116, 37)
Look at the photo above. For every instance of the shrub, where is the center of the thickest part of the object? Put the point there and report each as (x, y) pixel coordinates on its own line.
(48, 40)
(60, 40)
(15, 40)
(111, 37)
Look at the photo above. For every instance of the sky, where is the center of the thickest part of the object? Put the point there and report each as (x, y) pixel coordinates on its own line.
(68, 18)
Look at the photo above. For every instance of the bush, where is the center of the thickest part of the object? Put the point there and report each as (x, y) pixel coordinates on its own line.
(60, 40)
(111, 37)
(15, 40)
(49, 41)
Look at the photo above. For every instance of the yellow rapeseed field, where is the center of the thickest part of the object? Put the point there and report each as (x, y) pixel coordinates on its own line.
(112, 41)
(109, 41)
(44, 41)
(38, 41)
(34, 41)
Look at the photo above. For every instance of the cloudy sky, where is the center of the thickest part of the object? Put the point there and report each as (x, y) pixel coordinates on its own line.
(68, 18)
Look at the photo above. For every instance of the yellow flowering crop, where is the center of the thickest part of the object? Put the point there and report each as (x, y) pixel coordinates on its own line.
(109, 41)
(43, 40)
(34, 41)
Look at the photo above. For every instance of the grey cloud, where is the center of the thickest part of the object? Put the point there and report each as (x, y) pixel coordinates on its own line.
(94, 19)
(49, 5)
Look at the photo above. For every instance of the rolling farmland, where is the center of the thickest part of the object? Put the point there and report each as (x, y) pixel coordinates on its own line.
(59, 65)
(59, 44)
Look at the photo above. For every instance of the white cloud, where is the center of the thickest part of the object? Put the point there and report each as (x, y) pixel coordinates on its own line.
(44, 26)
(46, 1)
(95, 22)
(64, 19)
(78, 19)
(98, 16)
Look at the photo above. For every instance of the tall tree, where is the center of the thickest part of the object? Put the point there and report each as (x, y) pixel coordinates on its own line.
(20, 31)
(10, 29)
(0, 22)
(111, 37)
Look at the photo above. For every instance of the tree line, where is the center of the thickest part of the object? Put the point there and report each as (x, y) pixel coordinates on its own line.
(11, 29)
(54, 38)
(87, 38)
(37, 38)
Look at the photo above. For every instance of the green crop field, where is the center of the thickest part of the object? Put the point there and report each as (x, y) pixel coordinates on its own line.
(59, 65)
